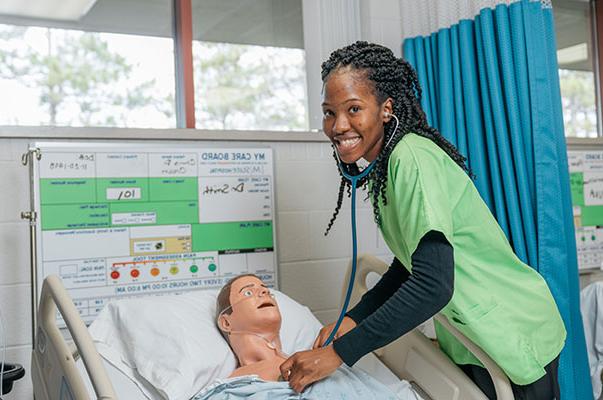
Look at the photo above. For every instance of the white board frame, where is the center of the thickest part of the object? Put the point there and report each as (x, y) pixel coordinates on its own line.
(123, 147)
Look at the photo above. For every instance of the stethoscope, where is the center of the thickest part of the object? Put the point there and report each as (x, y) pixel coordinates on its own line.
(354, 179)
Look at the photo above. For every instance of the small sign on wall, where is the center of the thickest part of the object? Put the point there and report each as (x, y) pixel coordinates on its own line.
(586, 183)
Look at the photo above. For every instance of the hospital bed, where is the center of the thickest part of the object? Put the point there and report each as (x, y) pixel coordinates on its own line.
(62, 369)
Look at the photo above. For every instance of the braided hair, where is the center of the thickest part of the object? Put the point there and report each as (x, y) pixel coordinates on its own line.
(388, 77)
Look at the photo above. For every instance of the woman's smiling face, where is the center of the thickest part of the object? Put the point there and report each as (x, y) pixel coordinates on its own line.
(353, 118)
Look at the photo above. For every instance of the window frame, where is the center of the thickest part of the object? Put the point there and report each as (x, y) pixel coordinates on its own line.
(183, 60)
(596, 15)
(597, 24)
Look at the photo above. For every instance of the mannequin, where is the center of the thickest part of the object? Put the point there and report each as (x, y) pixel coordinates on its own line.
(250, 320)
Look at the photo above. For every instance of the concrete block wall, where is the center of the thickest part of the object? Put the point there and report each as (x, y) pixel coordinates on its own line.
(311, 266)
(14, 261)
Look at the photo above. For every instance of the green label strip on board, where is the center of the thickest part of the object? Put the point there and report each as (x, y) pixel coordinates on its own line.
(173, 189)
(67, 191)
(592, 215)
(118, 183)
(90, 190)
(75, 216)
(589, 215)
(577, 188)
(232, 236)
(167, 213)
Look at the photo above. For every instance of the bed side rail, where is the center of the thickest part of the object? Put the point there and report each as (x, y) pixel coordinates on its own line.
(54, 372)
(415, 358)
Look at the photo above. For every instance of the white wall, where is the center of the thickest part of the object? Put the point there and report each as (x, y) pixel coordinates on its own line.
(14, 260)
(311, 266)
(331, 24)
(381, 23)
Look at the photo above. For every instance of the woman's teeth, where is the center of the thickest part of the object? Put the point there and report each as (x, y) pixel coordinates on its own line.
(347, 143)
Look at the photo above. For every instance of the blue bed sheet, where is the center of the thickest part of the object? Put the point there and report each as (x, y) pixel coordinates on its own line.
(345, 383)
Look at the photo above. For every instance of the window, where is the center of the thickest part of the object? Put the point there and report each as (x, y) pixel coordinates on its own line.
(249, 65)
(576, 55)
(113, 66)
(112, 63)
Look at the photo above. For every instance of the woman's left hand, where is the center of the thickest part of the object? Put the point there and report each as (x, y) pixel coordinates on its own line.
(306, 367)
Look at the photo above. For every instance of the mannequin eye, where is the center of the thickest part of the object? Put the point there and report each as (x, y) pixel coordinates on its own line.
(248, 293)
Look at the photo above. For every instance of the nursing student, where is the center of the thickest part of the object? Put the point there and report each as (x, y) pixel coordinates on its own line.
(451, 256)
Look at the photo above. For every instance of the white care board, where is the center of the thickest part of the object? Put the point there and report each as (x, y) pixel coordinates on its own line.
(130, 219)
(586, 183)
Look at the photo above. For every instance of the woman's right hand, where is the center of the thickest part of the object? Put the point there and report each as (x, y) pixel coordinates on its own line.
(346, 325)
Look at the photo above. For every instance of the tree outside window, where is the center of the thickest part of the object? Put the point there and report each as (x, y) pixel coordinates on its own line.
(249, 87)
(79, 79)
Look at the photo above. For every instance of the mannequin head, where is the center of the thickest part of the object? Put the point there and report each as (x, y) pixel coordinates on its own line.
(245, 304)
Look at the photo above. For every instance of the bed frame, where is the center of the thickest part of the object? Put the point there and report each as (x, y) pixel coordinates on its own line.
(53, 370)
(412, 357)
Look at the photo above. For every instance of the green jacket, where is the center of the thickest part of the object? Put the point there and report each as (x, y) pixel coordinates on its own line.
(500, 303)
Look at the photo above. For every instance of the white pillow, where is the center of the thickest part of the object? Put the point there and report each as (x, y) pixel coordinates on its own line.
(172, 341)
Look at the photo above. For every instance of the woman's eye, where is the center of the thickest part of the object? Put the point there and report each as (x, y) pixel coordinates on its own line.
(248, 293)
(327, 113)
(354, 109)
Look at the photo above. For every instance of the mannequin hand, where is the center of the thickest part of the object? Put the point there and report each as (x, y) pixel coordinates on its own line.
(306, 367)
(346, 325)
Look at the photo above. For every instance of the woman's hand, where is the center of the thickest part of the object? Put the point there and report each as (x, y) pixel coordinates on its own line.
(346, 325)
(306, 367)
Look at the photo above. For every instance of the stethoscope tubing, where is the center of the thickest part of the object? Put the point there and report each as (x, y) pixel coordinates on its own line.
(354, 182)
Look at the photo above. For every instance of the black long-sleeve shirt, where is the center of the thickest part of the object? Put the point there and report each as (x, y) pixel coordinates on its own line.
(401, 301)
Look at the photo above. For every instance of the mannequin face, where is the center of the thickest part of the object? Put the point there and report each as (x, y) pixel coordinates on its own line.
(252, 308)
(353, 118)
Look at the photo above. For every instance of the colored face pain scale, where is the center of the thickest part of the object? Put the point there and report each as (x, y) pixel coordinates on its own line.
(152, 270)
